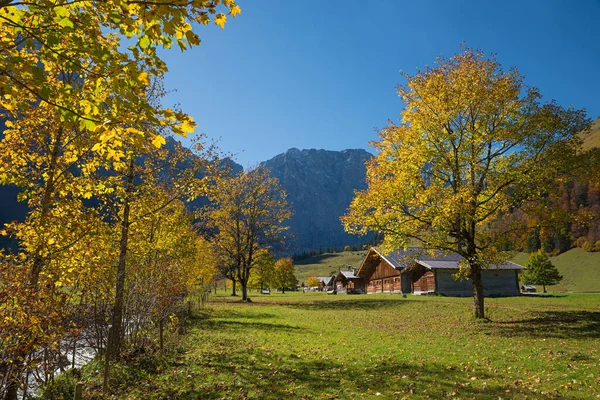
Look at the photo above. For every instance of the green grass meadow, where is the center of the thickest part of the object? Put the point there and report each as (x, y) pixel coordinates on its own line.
(327, 263)
(319, 346)
(580, 270)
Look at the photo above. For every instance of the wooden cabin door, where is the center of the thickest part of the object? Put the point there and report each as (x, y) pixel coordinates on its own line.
(424, 283)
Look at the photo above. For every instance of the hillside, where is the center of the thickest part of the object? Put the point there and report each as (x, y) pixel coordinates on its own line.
(320, 185)
(592, 139)
(327, 263)
(580, 270)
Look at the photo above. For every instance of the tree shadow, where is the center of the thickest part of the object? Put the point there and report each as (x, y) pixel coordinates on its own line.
(232, 314)
(557, 324)
(314, 260)
(241, 325)
(360, 303)
(262, 375)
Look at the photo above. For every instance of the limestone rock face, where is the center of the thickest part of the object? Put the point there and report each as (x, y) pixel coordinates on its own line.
(320, 185)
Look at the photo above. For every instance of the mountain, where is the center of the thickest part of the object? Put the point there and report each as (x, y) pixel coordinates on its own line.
(12, 210)
(320, 185)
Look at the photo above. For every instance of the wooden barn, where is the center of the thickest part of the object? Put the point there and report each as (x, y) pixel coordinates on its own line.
(326, 282)
(415, 271)
(348, 282)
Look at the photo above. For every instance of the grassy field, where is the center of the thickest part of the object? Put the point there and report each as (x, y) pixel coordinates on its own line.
(327, 263)
(315, 346)
(580, 270)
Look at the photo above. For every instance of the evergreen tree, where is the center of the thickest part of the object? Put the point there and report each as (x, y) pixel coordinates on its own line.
(541, 271)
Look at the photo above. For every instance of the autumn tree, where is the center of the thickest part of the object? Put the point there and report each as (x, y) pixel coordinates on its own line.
(474, 142)
(59, 249)
(313, 281)
(149, 185)
(284, 274)
(43, 40)
(541, 271)
(248, 215)
(263, 275)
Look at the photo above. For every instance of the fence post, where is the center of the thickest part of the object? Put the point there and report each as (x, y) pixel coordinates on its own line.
(78, 391)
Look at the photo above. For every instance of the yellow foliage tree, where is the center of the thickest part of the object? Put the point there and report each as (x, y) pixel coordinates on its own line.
(284, 274)
(44, 41)
(248, 215)
(473, 142)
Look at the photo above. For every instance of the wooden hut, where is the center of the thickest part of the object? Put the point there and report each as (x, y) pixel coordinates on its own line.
(415, 271)
(326, 282)
(348, 282)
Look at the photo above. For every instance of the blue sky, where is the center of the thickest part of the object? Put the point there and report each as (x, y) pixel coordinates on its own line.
(322, 73)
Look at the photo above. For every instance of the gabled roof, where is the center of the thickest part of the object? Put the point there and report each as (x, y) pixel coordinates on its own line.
(325, 279)
(347, 275)
(447, 264)
(401, 259)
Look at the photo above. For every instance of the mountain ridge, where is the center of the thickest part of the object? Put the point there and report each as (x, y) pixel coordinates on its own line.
(320, 185)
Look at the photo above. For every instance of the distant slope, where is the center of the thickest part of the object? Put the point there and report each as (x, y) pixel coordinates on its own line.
(592, 139)
(320, 185)
(580, 270)
(327, 263)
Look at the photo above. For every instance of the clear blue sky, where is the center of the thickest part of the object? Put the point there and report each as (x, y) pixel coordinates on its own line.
(322, 73)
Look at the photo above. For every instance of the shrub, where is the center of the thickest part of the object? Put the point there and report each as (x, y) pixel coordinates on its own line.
(597, 246)
(588, 246)
(580, 241)
(61, 387)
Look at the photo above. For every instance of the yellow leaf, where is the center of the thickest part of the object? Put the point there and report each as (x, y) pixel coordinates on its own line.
(158, 141)
(144, 78)
(235, 10)
(220, 20)
(188, 126)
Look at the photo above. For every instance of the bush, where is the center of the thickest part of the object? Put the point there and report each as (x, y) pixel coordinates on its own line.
(347, 248)
(588, 246)
(580, 241)
(597, 246)
(62, 387)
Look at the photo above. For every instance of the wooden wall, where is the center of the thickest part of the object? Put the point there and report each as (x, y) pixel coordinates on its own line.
(384, 279)
(425, 284)
(495, 283)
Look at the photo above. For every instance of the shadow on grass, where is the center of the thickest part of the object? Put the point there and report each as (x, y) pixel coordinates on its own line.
(314, 260)
(233, 322)
(543, 295)
(261, 375)
(359, 303)
(558, 324)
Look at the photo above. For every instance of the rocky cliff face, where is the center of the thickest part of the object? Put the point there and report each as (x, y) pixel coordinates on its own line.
(320, 185)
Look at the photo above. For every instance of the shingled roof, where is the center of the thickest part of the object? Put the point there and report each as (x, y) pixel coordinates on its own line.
(401, 259)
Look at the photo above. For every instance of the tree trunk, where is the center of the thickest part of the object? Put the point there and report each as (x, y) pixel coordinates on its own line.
(477, 290)
(114, 333)
(11, 390)
(12, 387)
(544, 286)
(244, 290)
(161, 330)
(234, 282)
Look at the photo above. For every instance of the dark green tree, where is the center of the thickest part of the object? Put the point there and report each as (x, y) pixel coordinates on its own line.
(533, 242)
(541, 271)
